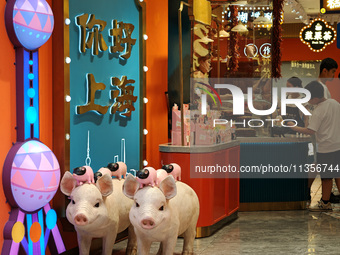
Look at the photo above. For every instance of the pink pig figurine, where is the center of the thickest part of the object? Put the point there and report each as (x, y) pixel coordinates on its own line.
(147, 176)
(118, 169)
(83, 174)
(173, 169)
(161, 175)
(101, 172)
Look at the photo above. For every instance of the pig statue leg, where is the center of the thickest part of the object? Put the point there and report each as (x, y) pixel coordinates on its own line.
(143, 246)
(131, 248)
(189, 238)
(108, 242)
(84, 242)
(168, 246)
(160, 250)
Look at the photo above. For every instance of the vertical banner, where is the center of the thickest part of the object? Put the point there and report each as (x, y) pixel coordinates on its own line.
(105, 83)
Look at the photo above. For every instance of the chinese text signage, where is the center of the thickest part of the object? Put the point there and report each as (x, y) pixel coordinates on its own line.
(317, 35)
(330, 6)
(106, 87)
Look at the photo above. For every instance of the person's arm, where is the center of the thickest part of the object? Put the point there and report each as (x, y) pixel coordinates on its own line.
(302, 130)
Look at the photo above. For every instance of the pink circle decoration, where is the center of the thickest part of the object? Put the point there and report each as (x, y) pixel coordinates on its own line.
(34, 175)
(32, 22)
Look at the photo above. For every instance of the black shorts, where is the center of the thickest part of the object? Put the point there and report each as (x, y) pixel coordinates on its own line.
(328, 164)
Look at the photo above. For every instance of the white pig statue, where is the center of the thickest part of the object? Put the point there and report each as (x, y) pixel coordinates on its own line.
(159, 215)
(98, 211)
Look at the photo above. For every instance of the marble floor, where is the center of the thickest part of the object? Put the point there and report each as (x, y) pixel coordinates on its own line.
(273, 232)
(269, 232)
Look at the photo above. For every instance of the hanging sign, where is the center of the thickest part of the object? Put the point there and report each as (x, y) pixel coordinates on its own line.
(329, 6)
(317, 35)
(106, 79)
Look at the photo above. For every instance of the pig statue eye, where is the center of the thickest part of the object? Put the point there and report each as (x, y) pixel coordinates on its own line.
(73, 201)
(137, 205)
(96, 205)
(161, 208)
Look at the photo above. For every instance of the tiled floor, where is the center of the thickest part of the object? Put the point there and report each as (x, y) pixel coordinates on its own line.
(270, 232)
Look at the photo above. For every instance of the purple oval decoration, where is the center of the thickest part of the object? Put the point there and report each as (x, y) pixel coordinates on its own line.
(32, 174)
(29, 23)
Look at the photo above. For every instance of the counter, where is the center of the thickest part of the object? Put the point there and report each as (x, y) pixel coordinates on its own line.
(197, 148)
(218, 194)
(283, 193)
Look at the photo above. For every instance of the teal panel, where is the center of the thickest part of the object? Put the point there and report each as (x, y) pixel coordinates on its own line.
(106, 130)
(273, 190)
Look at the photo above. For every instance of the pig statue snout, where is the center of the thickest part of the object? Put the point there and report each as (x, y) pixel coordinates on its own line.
(148, 223)
(81, 219)
(143, 174)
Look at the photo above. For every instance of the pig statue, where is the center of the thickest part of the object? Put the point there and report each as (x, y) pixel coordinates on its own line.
(173, 169)
(158, 215)
(98, 211)
(161, 175)
(147, 176)
(118, 169)
(83, 174)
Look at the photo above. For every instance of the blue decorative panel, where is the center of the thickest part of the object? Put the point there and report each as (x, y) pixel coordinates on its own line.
(106, 89)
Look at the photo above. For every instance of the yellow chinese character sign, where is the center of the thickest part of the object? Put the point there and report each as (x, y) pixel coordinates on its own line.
(106, 86)
(317, 35)
(329, 6)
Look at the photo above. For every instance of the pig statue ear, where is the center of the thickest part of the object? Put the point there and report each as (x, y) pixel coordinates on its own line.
(168, 187)
(104, 184)
(68, 183)
(130, 186)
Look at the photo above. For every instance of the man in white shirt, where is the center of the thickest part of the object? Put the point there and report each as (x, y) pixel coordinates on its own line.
(328, 68)
(324, 123)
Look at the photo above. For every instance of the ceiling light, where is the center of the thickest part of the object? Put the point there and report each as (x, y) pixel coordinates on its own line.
(205, 40)
(262, 20)
(223, 33)
(239, 28)
(240, 3)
